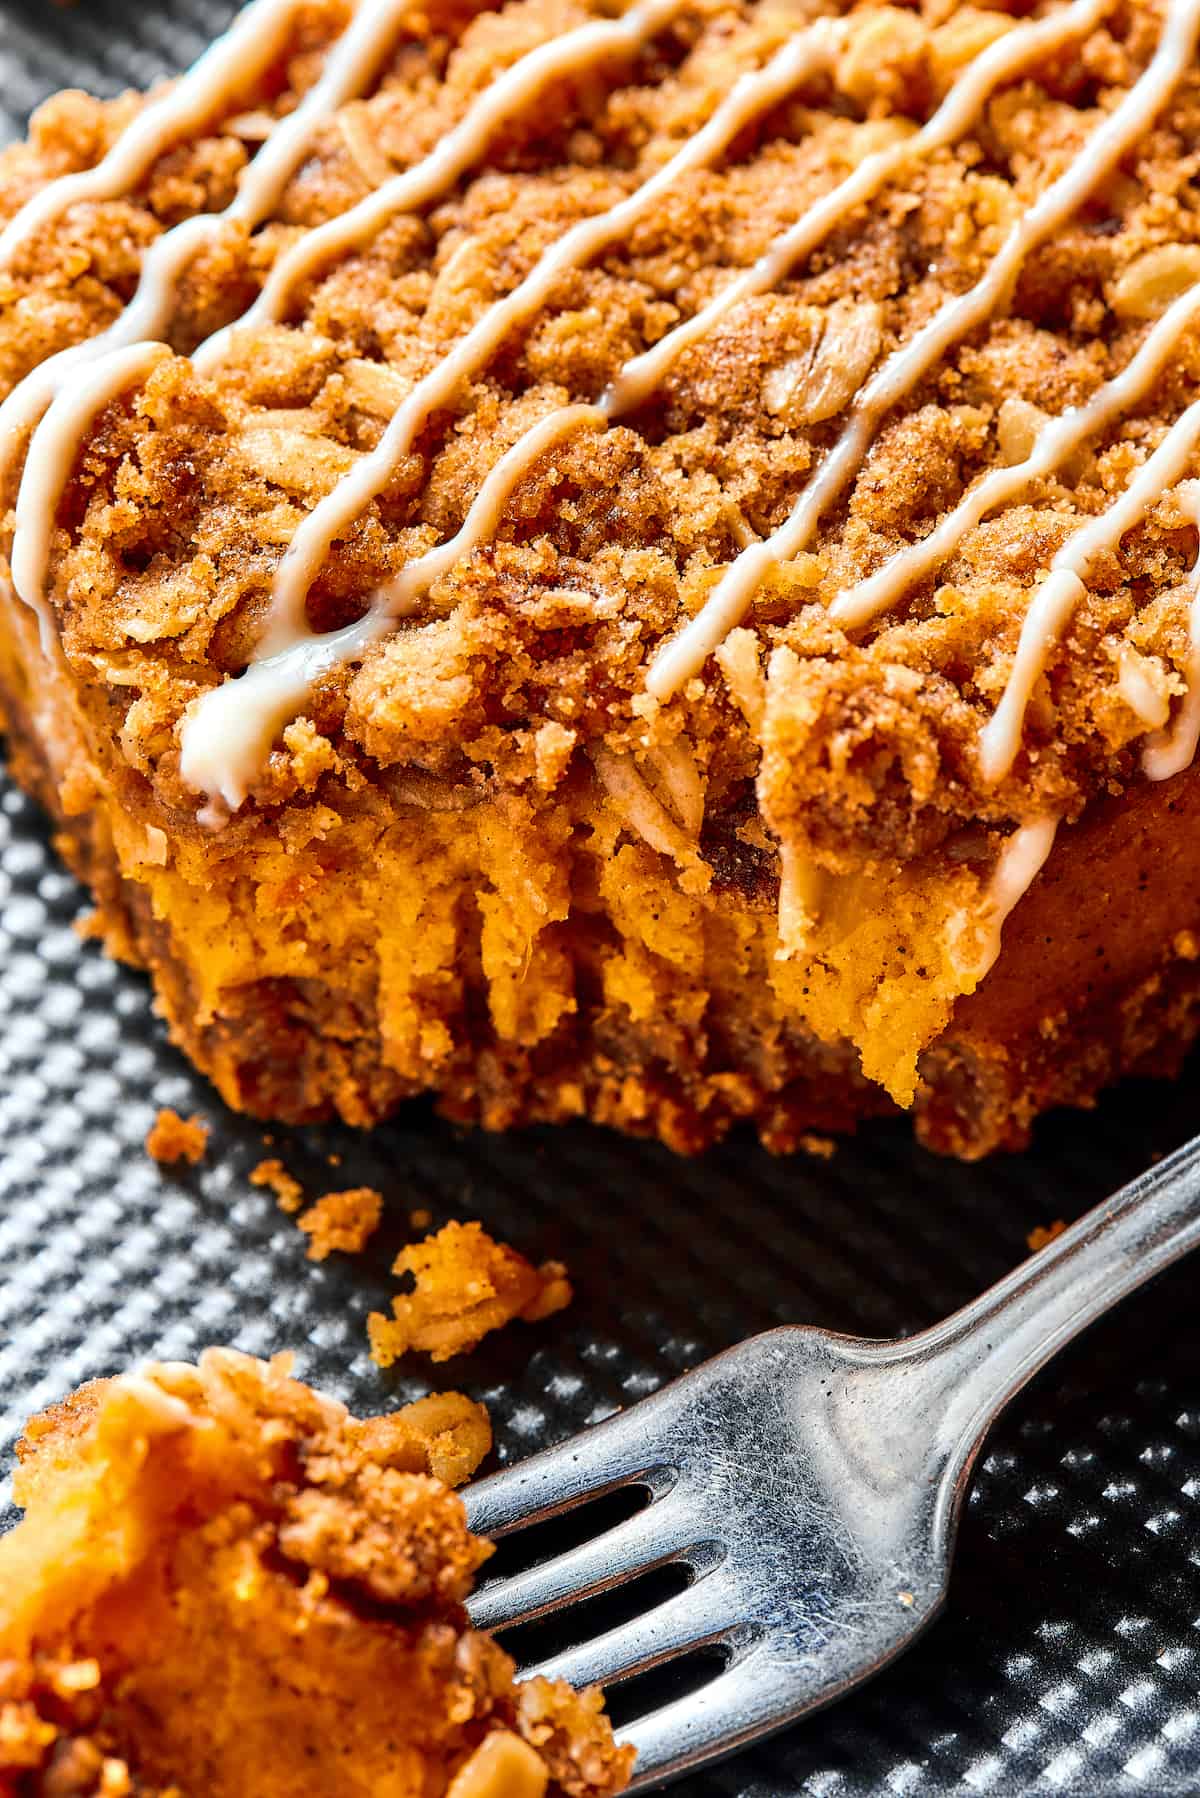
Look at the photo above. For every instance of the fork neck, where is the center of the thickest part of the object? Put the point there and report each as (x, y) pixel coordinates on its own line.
(972, 1364)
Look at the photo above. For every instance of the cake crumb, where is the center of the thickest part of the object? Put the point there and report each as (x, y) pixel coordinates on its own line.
(345, 1221)
(288, 1191)
(333, 1158)
(1042, 1234)
(464, 1286)
(171, 1138)
(822, 1148)
(421, 1218)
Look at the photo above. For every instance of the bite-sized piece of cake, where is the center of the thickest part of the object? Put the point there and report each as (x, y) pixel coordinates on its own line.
(223, 1583)
(587, 563)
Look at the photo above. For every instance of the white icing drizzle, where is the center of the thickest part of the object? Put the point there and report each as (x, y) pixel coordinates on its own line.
(339, 509)
(684, 655)
(1008, 56)
(211, 763)
(220, 756)
(350, 65)
(1055, 443)
(234, 60)
(1170, 751)
(49, 461)
(1062, 590)
(436, 173)
(1019, 863)
(400, 595)
(226, 733)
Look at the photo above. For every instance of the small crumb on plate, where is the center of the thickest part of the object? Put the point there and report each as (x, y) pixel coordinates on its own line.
(1042, 1234)
(464, 1286)
(345, 1221)
(287, 1189)
(171, 1138)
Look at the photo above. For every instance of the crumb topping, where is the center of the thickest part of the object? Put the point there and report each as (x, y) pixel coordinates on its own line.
(270, 1172)
(1042, 1235)
(609, 543)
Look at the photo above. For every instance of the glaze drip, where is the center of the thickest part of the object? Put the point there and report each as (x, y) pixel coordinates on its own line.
(1018, 865)
(1065, 586)
(48, 463)
(1170, 751)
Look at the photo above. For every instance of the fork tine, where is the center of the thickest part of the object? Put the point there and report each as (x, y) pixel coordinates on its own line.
(640, 1543)
(696, 1618)
(745, 1701)
(610, 1454)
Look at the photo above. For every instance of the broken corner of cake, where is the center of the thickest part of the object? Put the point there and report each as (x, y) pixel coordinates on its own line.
(224, 1583)
(624, 569)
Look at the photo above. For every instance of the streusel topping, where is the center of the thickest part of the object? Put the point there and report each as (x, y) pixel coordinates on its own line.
(854, 346)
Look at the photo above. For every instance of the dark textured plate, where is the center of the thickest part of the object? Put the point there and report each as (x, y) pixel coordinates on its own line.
(1069, 1657)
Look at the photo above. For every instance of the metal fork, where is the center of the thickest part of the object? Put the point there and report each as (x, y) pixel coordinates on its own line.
(811, 1483)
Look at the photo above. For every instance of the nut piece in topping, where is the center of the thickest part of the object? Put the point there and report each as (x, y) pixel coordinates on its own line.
(821, 377)
(1147, 286)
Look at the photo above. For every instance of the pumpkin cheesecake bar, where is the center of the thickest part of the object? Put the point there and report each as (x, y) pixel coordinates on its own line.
(637, 565)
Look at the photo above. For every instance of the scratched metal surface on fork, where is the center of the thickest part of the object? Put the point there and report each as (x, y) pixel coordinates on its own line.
(810, 1483)
(1068, 1657)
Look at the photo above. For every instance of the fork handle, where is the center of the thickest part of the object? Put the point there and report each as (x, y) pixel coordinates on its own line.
(968, 1367)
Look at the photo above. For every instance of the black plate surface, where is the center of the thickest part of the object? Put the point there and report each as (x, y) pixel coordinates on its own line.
(1069, 1657)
